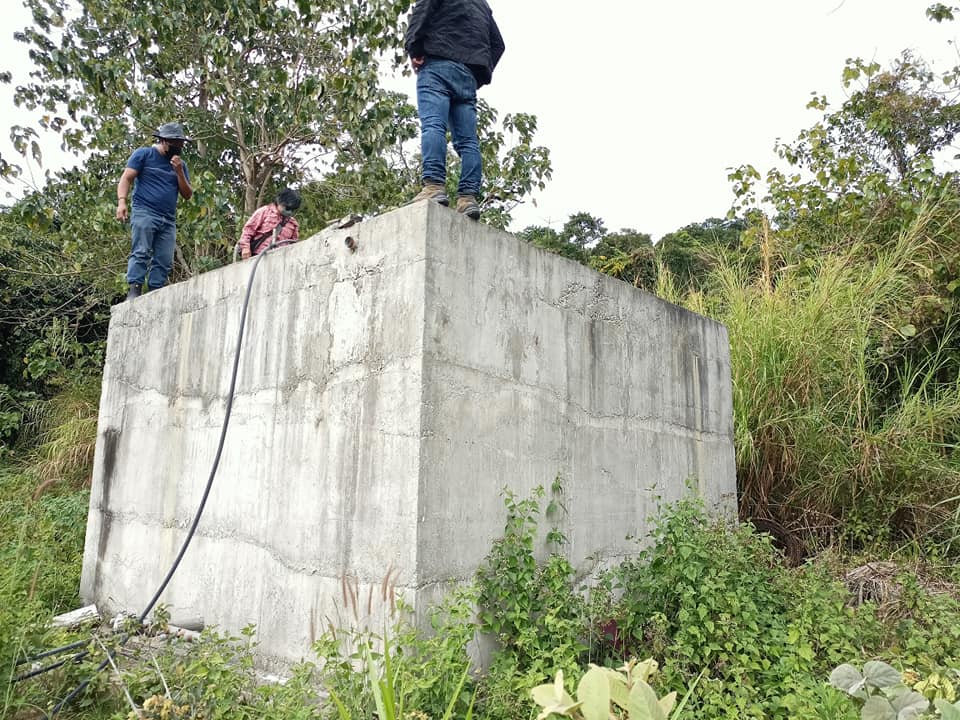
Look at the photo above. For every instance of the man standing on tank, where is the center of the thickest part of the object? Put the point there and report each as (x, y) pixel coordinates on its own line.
(453, 45)
(159, 177)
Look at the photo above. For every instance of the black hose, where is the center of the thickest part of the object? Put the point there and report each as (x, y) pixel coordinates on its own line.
(196, 518)
(48, 668)
(79, 688)
(50, 653)
(223, 435)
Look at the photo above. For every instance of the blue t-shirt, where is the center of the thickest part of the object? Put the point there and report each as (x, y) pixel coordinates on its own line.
(156, 186)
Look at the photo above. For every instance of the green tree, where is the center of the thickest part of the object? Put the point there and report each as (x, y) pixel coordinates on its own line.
(583, 229)
(266, 88)
(61, 258)
(628, 255)
(549, 239)
(862, 177)
(861, 186)
(274, 93)
(691, 252)
(867, 164)
(513, 166)
(579, 231)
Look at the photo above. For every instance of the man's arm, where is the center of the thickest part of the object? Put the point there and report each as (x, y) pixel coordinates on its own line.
(123, 192)
(416, 29)
(183, 183)
(251, 228)
(496, 43)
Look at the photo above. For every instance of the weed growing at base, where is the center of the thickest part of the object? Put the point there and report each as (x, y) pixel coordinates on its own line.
(736, 632)
(41, 549)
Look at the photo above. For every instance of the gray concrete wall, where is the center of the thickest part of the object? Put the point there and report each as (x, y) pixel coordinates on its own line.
(535, 366)
(385, 397)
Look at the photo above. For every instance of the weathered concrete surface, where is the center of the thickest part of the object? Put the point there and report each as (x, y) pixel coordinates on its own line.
(385, 398)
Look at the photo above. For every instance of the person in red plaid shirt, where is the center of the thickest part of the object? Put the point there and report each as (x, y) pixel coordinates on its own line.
(278, 215)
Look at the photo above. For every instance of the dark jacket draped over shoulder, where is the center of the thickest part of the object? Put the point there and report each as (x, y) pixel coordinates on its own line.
(459, 30)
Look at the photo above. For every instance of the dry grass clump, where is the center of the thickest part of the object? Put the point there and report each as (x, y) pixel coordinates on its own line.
(883, 583)
(66, 429)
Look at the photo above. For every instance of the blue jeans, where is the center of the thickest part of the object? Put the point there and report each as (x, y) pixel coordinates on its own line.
(447, 98)
(154, 238)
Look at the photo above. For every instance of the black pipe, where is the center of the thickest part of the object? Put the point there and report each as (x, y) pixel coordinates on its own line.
(47, 668)
(48, 653)
(203, 502)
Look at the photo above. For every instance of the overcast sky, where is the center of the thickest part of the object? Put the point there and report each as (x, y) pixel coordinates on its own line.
(645, 105)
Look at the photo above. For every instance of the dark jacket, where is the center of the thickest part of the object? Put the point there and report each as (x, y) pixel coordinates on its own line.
(459, 30)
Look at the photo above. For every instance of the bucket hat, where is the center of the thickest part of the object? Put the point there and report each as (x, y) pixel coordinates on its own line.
(171, 131)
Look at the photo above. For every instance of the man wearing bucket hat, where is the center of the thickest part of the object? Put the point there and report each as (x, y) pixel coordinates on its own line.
(158, 176)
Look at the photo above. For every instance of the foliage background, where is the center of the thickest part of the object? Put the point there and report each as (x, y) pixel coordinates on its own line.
(837, 277)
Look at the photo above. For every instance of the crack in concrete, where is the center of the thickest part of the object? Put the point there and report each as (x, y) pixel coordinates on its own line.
(150, 520)
(373, 368)
(507, 380)
(559, 394)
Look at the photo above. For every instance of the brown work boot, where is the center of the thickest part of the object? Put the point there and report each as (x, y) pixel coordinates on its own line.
(433, 191)
(467, 204)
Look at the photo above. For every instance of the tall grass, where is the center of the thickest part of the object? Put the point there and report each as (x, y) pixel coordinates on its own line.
(820, 443)
(43, 511)
(65, 430)
(41, 548)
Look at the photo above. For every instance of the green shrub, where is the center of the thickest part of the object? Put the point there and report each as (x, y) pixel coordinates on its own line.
(926, 635)
(530, 607)
(713, 598)
(711, 601)
(213, 678)
(14, 408)
(884, 692)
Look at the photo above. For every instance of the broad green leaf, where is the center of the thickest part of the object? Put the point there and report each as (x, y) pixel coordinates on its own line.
(643, 703)
(948, 711)
(619, 692)
(667, 702)
(544, 695)
(593, 692)
(909, 705)
(847, 678)
(878, 708)
(645, 670)
(553, 698)
(563, 710)
(879, 674)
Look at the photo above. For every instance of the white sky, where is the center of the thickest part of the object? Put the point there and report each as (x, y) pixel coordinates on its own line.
(645, 105)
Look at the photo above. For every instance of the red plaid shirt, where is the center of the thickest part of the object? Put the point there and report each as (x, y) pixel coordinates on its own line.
(264, 220)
